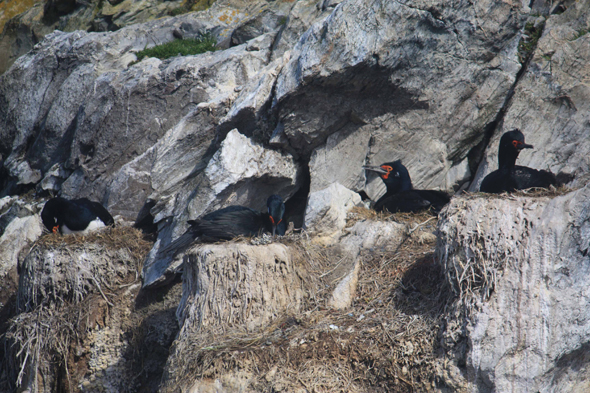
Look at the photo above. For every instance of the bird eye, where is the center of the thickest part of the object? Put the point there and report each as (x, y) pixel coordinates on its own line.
(516, 143)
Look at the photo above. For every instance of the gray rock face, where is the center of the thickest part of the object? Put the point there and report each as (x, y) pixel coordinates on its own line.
(22, 32)
(528, 309)
(91, 135)
(20, 226)
(327, 209)
(387, 86)
(550, 104)
(239, 173)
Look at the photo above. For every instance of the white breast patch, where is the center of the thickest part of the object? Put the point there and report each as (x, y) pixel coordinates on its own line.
(94, 225)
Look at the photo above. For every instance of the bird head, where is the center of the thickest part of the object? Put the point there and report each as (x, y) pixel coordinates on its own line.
(511, 143)
(394, 174)
(49, 216)
(276, 210)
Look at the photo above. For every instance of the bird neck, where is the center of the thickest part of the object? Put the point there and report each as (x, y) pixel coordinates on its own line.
(404, 184)
(507, 158)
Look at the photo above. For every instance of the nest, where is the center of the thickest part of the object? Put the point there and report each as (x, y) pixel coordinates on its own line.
(385, 342)
(59, 280)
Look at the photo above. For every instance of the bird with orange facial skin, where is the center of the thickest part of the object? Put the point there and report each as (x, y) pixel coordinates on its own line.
(400, 195)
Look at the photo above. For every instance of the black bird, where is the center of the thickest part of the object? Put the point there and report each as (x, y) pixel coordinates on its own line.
(74, 216)
(400, 195)
(231, 222)
(509, 176)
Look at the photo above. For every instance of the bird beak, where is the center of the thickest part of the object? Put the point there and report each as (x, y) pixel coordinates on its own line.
(374, 168)
(525, 146)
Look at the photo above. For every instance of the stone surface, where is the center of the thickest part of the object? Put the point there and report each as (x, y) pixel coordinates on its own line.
(551, 102)
(527, 315)
(239, 173)
(20, 227)
(374, 234)
(344, 77)
(237, 285)
(364, 235)
(344, 293)
(18, 236)
(327, 209)
(28, 22)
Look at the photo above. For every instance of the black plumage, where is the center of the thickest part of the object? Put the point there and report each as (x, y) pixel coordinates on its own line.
(71, 216)
(400, 195)
(231, 222)
(509, 176)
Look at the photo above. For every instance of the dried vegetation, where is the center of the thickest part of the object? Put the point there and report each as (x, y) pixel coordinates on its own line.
(386, 342)
(62, 294)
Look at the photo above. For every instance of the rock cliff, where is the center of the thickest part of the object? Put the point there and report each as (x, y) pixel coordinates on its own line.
(298, 96)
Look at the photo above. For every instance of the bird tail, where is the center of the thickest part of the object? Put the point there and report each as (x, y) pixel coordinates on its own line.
(181, 243)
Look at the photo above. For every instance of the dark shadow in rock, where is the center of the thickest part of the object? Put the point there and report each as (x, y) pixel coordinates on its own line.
(150, 341)
(422, 289)
(322, 106)
(148, 297)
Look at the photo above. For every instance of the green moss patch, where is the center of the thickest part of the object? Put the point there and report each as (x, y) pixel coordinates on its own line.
(179, 48)
(529, 41)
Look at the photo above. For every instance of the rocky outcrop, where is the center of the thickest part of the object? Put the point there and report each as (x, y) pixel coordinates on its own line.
(20, 227)
(297, 98)
(388, 87)
(519, 268)
(60, 277)
(23, 24)
(550, 103)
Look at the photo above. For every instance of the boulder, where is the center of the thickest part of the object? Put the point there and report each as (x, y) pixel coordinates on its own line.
(327, 209)
(518, 267)
(20, 227)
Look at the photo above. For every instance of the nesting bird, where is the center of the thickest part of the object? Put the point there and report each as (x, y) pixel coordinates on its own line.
(509, 176)
(400, 195)
(231, 222)
(234, 221)
(74, 216)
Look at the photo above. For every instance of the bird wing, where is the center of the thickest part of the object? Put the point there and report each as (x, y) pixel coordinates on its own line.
(95, 209)
(231, 222)
(412, 201)
(76, 216)
(497, 181)
(525, 177)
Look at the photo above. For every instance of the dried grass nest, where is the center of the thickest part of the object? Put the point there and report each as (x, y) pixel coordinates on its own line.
(45, 332)
(386, 342)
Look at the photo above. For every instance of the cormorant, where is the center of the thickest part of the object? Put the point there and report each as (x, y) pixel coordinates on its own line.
(509, 176)
(400, 195)
(74, 216)
(233, 221)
